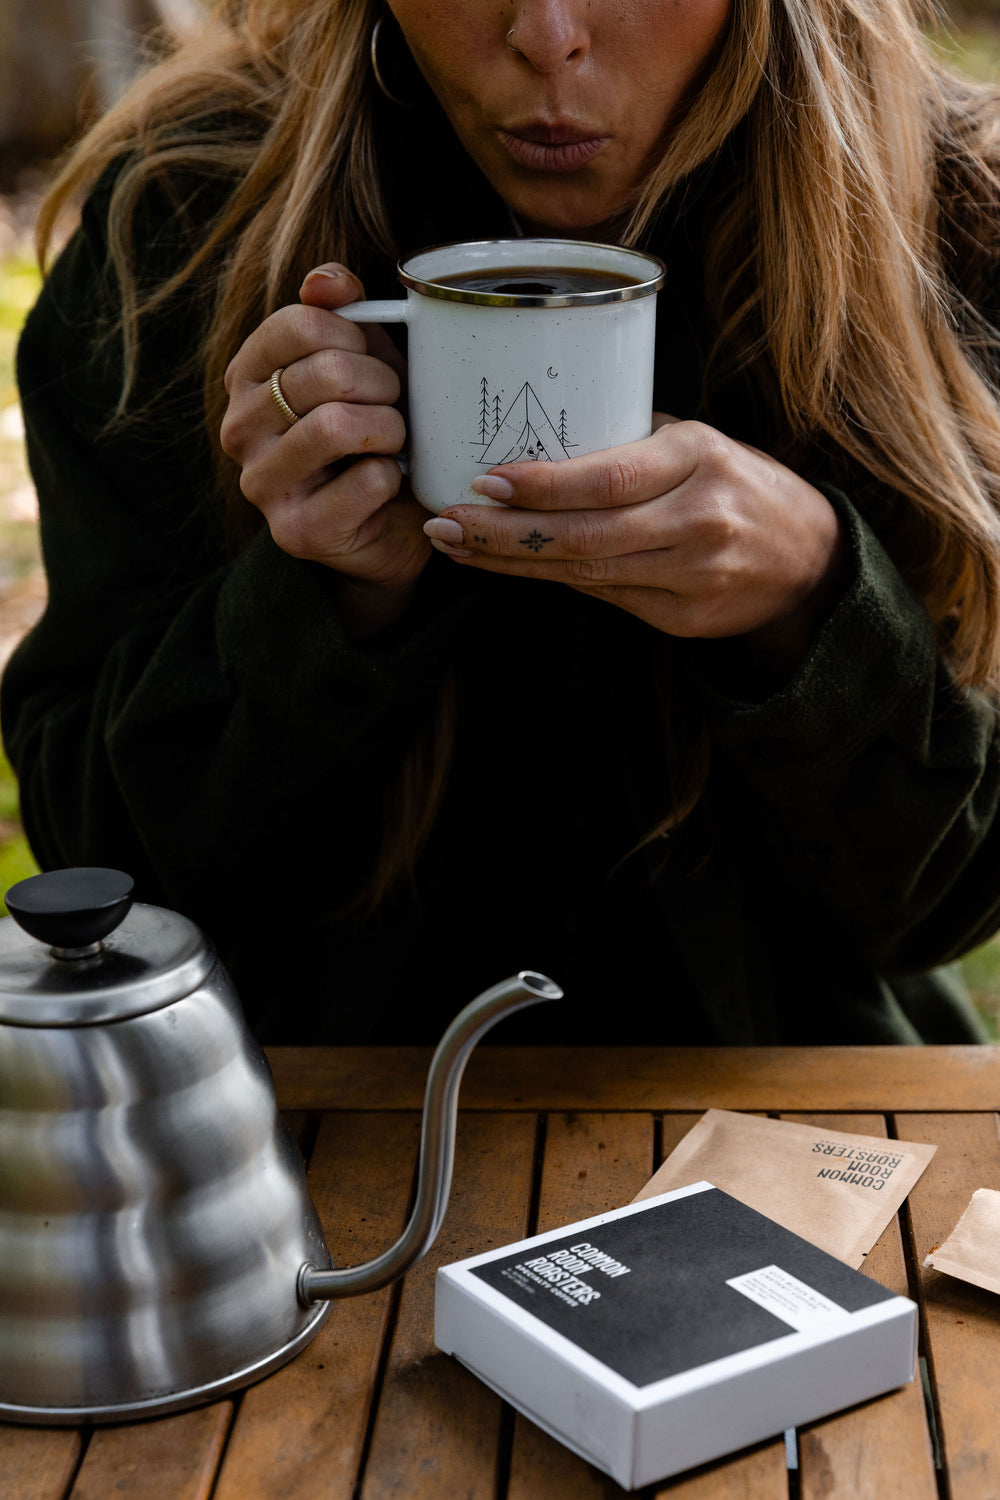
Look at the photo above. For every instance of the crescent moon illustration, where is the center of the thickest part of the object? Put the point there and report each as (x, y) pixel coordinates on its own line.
(551, 373)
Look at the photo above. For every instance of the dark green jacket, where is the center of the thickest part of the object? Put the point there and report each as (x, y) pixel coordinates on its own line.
(206, 724)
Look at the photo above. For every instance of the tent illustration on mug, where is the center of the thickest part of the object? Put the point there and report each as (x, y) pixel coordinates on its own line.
(524, 433)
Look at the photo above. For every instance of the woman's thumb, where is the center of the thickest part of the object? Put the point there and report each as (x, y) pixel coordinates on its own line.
(330, 286)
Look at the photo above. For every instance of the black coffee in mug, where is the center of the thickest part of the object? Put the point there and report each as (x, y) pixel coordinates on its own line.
(537, 281)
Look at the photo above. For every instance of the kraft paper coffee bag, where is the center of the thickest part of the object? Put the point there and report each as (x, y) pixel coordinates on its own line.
(972, 1250)
(838, 1191)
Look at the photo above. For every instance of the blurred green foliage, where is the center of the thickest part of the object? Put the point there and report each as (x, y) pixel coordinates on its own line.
(981, 972)
(16, 859)
(19, 284)
(16, 863)
(971, 45)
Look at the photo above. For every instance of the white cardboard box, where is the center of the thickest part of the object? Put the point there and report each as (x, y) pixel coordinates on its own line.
(672, 1331)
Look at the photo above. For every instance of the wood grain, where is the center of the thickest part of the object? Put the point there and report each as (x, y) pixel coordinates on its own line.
(961, 1322)
(883, 1447)
(301, 1433)
(592, 1163)
(649, 1078)
(674, 1128)
(37, 1463)
(757, 1474)
(174, 1458)
(438, 1428)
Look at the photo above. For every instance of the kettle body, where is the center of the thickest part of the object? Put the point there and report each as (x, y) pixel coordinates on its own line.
(158, 1246)
(153, 1206)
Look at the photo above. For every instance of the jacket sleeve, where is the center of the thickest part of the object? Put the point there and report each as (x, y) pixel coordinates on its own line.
(871, 781)
(199, 720)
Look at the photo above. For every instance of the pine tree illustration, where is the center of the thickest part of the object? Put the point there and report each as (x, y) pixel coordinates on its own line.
(562, 427)
(496, 411)
(484, 414)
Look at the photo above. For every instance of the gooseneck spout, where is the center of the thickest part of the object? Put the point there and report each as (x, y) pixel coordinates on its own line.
(437, 1141)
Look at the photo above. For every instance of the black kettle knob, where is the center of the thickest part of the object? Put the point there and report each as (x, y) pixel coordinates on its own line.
(71, 908)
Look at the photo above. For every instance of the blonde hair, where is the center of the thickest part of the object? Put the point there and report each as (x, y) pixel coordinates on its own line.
(830, 254)
(828, 257)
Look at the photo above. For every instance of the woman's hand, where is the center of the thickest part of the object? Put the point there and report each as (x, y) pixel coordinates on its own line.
(696, 534)
(352, 518)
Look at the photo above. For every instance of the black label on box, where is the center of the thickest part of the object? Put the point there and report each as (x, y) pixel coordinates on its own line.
(646, 1294)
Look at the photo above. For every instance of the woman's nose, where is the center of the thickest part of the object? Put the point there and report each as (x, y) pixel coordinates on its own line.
(550, 33)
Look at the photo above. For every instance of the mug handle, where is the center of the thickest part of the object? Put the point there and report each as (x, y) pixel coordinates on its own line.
(378, 312)
(374, 312)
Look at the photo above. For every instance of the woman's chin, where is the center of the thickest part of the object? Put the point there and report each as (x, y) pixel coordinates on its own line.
(568, 226)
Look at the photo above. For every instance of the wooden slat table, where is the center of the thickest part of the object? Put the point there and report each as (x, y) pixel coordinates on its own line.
(371, 1411)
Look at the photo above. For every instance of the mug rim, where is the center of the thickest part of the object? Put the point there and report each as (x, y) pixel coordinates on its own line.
(426, 286)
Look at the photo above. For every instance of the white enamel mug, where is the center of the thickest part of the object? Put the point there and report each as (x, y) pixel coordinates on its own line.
(503, 378)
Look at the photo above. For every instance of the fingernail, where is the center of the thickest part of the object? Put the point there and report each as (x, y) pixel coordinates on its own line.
(444, 531)
(331, 276)
(493, 487)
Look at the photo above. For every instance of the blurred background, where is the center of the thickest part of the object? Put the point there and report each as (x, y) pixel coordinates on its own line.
(62, 62)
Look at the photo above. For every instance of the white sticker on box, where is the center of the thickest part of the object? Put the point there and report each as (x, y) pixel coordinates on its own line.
(787, 1297)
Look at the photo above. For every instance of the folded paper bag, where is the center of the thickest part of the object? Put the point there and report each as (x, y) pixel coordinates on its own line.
(972, 1250)
(838, 1191)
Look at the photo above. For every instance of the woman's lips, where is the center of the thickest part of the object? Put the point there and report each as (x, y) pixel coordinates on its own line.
(548, 150)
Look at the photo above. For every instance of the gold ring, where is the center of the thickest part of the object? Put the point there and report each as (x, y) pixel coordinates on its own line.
(291, 417)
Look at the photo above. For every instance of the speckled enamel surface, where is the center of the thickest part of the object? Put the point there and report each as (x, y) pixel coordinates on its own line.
(491, 385)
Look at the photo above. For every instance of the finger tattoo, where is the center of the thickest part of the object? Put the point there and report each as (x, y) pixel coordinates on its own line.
(535, 540)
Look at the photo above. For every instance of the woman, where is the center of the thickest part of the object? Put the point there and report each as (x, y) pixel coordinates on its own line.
(722, 758)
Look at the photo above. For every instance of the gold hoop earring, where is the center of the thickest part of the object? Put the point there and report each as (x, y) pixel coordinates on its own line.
(376, 70)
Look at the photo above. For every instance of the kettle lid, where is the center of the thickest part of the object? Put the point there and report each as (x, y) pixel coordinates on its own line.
(76, 951)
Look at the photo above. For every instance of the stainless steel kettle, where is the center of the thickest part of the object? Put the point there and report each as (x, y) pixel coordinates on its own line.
(158, 1247)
